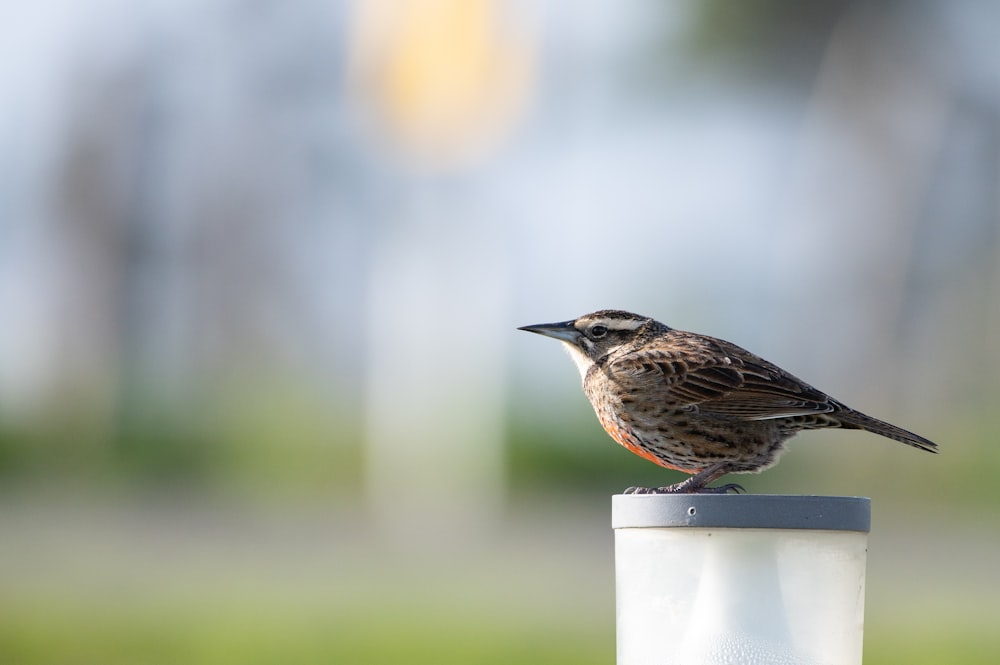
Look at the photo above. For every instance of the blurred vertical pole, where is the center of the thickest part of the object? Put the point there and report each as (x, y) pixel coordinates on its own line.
(883, 148)
(440, 81)
(435, 392)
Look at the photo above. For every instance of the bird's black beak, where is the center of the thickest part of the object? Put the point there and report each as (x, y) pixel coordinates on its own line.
(565, 331)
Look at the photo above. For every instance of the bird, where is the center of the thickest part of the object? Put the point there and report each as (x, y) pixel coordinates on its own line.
(697, 404)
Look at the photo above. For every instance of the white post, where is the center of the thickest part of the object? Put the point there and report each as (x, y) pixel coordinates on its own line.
(719, 580)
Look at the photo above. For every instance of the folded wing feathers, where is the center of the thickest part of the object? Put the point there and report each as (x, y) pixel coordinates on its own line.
(730, 387)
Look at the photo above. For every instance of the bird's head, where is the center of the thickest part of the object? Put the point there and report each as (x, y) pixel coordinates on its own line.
(593, 336)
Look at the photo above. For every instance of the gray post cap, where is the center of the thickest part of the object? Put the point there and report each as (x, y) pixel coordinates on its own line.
(741, 511)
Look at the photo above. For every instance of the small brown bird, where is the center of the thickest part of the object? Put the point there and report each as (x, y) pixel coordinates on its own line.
(694, 403)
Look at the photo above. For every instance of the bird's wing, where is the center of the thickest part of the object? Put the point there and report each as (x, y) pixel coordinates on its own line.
(719, 378)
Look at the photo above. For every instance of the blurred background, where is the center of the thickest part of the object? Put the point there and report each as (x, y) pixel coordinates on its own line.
(261, 263)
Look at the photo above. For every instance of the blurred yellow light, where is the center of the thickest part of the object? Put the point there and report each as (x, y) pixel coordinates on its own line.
(445, 79)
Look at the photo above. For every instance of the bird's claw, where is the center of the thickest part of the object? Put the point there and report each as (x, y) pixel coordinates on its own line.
(722, 489)
(679, 488)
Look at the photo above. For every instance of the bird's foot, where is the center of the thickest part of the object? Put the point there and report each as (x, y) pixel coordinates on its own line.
(735, 488)
(687, 488)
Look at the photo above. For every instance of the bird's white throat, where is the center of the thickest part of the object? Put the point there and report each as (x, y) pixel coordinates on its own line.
(583, 362)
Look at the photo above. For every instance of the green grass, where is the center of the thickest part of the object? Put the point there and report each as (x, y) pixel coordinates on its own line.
(221, 633)
(932, 641)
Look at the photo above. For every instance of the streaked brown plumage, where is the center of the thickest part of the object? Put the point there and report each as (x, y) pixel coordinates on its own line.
(694, 403)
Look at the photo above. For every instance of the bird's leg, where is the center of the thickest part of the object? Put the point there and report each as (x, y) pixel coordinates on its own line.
(696, 484)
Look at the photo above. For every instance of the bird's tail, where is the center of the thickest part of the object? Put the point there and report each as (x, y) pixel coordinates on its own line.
(852, 419)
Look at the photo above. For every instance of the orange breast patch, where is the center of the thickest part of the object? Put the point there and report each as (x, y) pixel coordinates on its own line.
(630, 443)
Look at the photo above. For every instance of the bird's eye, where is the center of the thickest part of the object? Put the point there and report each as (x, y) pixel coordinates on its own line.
(598, 331)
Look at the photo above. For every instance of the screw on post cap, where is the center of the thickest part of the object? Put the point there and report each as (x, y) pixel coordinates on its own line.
(742, 511)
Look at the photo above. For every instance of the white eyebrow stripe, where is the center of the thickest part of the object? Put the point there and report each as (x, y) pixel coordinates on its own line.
(621, 324)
